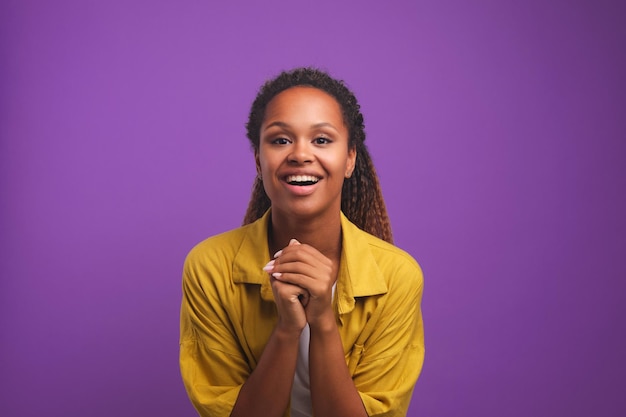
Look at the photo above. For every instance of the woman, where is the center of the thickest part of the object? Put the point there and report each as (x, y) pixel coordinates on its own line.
(300, 312)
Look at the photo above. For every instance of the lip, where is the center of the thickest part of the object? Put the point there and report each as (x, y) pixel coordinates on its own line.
(300, 190)
(285, 174)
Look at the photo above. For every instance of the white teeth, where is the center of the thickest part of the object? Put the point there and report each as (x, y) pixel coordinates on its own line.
(302, 178)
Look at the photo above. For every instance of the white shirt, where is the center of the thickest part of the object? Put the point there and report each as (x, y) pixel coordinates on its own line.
(301, 390)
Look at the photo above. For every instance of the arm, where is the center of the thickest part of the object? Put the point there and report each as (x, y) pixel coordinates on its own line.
(212, 365)
(386, 357)
(333, 392)
(217, 375)
(267, 391)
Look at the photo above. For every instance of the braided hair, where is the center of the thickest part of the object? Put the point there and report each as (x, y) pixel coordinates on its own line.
(361, 197)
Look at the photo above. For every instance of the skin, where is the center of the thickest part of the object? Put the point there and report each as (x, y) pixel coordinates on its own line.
(303, 133)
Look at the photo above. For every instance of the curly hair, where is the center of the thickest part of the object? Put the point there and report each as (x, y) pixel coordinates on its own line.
(361, 197)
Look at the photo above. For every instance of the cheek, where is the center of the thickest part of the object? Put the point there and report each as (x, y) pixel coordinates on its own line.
(263, 161)
(339, 163)
(268, 164)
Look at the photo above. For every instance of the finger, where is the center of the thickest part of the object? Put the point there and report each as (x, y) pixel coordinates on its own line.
(298, 273)
(292, 242)
(269, 267)
(276, 270)
(302, 253)
(289, 292)
(314, 287)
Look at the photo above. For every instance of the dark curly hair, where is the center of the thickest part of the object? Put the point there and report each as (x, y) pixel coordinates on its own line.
(361, 197)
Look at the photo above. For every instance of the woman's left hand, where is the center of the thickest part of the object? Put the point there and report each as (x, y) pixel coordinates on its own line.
(304, 266)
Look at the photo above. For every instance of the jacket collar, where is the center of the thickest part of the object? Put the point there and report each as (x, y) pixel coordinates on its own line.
(359, 274)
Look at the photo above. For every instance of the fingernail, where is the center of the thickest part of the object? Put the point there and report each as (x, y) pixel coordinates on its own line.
(269, 266)
(293, 242)
(277, 254)
(276, 274)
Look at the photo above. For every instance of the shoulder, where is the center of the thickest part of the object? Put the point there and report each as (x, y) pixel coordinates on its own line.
(384, 251)
(381, 261)
(394, 261)
(222, 242)
(217, 250)
(238, 254)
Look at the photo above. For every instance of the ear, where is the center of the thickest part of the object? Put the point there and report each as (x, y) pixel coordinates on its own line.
(351, 163)
(257, 162)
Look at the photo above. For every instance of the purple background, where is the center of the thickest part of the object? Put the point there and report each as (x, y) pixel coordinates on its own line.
(497, 127)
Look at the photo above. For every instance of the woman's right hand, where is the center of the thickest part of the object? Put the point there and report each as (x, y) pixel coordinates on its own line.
(291, 315)
(290, 300)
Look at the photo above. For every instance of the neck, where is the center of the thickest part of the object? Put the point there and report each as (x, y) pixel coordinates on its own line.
(323, 234)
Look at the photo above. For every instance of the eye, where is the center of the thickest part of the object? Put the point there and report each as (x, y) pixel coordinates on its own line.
(280, 141)
(321, 140)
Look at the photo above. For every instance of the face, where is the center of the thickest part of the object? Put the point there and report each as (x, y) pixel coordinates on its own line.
(303, 154)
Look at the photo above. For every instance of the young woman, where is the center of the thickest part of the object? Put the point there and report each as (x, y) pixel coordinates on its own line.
(308, 309)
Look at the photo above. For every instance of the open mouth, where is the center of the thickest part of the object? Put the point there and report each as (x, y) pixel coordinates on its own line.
(301, 180)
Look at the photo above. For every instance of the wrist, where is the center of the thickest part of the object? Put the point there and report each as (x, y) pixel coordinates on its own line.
(325, 323)
(287, 333)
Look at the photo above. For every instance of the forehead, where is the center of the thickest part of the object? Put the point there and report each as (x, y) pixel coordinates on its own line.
(303, 101)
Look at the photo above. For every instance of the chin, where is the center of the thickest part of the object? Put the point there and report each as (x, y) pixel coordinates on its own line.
(308, 211)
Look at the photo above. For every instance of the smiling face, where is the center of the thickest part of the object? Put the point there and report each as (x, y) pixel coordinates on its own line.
(303, 154)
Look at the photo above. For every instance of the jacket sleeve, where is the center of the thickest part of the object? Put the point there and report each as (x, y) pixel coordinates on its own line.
(385, 366)
(212, 365)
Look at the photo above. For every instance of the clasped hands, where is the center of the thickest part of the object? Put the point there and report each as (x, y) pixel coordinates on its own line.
(302, 280)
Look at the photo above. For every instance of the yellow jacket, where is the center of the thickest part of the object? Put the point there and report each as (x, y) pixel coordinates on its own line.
(228, 314)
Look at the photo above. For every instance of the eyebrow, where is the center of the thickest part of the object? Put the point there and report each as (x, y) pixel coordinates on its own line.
(315, 126)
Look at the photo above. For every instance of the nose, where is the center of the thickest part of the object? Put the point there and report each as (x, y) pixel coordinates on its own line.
(300, 153)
